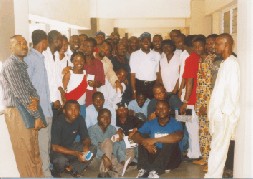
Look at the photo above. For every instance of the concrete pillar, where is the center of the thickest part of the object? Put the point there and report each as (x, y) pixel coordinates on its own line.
(7, 26)
(244, 136)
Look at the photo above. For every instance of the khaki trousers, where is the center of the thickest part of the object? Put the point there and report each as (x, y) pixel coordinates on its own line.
(24, 144)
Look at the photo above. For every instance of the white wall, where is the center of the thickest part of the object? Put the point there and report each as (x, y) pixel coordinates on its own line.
(75, 12)
(199, 23)
(244, 137)
(140, 8)
(215, 5)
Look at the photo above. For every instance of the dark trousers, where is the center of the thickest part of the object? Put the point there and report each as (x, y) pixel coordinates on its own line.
(61, 161)
(145, 87)
(168, 157)
(230, 156)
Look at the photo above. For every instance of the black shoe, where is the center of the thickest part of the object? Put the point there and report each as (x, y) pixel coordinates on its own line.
(73, 173)
(132, 164)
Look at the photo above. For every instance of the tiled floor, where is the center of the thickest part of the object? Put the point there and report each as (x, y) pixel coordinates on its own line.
(185, 170)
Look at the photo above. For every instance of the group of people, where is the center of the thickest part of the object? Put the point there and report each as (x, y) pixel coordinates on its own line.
(73, 104)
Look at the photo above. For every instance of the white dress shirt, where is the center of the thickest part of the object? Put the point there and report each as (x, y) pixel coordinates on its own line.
(54, 79)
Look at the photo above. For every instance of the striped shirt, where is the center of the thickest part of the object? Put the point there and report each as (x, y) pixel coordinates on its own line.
(16, 84)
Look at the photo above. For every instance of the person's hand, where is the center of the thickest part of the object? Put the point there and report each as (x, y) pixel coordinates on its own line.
(38, 124)
(152, 116)
(148, 141)
(151, 149)
(119, 86)
(183, 108)
(202, 110)
(57, 105)
(121, 134)
(33, 106)
(80, 157)
(131, 133)
(66, 70)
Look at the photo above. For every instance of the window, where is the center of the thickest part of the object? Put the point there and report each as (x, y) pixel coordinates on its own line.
(229, 20)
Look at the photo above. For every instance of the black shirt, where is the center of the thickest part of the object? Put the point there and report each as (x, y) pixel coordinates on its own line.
(131, 122)
(64, 133)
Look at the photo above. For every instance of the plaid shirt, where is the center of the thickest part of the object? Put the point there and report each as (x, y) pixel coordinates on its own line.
(16, 84)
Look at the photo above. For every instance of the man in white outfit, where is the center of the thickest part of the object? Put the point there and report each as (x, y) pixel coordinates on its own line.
(224, 109)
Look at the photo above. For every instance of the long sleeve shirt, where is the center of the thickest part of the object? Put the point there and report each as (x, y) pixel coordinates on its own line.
(97, 136)
(54, 79)
(38, 75)
(17, 85)
(224, 102)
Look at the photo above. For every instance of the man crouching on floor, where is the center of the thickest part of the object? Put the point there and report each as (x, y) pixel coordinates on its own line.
(160, 150)
(67, 155)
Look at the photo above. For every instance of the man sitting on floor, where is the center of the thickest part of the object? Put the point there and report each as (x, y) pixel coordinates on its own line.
(67, 155)
(160, 151)
(111, 154)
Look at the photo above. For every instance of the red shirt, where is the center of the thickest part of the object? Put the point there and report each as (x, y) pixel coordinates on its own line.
(190, 71)
(94, 69)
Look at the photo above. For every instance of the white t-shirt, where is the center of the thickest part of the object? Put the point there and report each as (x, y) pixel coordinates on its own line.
(145, 66)
(170, 71)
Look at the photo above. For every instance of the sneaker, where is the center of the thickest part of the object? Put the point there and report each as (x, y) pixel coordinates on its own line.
(142, 174)
(153, 174)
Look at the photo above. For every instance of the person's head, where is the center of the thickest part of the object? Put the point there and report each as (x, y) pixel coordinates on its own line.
(109, 54)
(157, 42)
(210, 43)
(121, 74)
(133, 43)
(104, 118)
(121, 50)
(168, 47)
(145, 41)
(162, 110)
(115, 37)
(122, 110)
(98, 100)
(39, 38)
(82, 38)
(159, 92)
(103, 50)
(199, 43)
(100, 37)
(74, 43)
(174, 34)
(88, 46)
(179, 42)
(78, 60)
(55, 40)
(224, 44)
(71, 110)
(18, 46)
(140, 99)
(65, 44)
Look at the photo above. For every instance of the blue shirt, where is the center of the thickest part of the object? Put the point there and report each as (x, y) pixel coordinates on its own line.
(133, 105)
(38, 75)
(155, 130)
(92, 115)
